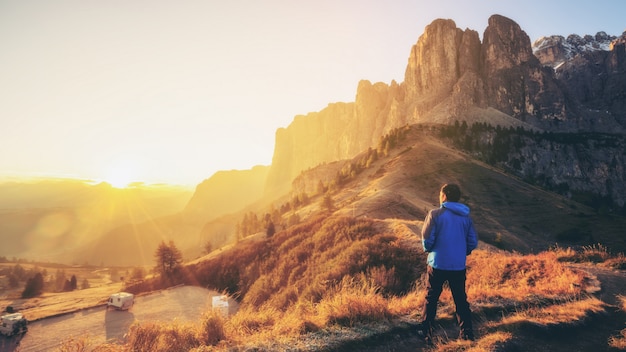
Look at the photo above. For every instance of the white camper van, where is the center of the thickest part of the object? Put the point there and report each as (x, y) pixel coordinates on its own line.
(220, 303)
(12, 324)
(121, 301)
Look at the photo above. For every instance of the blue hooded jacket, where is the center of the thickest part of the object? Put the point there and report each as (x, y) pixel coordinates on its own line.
(448, 235)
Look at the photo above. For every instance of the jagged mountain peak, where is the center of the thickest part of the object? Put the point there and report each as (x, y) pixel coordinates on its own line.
(554, 50)
(451, 75)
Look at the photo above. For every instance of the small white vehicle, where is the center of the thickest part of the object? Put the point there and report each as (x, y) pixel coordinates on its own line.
(220, 303)
(121, 301)
(13, 324)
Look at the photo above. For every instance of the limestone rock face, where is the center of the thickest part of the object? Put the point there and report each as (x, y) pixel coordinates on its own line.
(571, 84)
(515, 81)
(505, 45)
(339, 131)
(310, 140)
(442, 56)
(433, 64)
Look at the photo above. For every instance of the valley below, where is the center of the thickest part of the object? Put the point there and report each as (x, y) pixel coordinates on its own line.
(59, 319)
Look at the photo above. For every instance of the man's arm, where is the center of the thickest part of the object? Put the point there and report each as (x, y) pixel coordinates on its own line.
(471, 238)
(428, 232)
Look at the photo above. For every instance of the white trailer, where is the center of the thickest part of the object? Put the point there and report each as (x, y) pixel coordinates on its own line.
(13, 324)
(121, 301)
(220, 303)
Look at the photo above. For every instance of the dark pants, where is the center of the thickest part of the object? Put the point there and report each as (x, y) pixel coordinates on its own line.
(434, 286)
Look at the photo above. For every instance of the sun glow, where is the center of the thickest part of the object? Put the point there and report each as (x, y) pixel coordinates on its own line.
(121, 175)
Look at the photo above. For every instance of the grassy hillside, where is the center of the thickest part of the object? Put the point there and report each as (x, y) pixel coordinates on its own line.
(340, 283)
(347, 274)
(508, 212)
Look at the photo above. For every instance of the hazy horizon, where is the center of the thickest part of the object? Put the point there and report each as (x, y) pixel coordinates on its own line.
(165, 92)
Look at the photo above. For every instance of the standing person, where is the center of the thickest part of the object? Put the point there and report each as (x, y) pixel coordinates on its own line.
(448, 235)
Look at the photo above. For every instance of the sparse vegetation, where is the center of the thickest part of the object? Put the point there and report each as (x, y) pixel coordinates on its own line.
(619, 342)
(597, 254)
(344, 273)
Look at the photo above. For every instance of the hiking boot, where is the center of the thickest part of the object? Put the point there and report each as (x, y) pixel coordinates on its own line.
(424, 333)
(467, 336)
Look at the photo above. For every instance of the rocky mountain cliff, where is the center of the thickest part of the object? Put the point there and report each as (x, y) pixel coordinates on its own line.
(452, 76)
(593, 71)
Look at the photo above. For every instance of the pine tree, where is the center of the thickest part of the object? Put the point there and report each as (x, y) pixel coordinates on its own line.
(34, 286)
(168, 258)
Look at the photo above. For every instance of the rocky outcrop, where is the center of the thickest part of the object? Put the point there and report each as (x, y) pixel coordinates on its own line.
(339, 131)
(515, 81)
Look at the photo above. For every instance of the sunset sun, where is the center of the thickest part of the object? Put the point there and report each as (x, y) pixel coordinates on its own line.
(121, 175)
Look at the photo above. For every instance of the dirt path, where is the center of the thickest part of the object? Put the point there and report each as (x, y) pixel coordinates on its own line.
(613, 283)
(186, 303)
(592, 335)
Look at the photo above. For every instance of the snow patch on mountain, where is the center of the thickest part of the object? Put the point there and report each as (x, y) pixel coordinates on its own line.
(555, 50)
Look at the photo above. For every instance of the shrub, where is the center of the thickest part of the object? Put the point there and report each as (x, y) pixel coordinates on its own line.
(34, 286)
(162, 337)
(591, 254)
(354, 301)
(212, 328)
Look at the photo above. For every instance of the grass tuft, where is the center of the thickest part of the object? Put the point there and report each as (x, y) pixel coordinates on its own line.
(619, 342)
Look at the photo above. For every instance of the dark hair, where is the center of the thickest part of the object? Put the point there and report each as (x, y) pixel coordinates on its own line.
(452, 192)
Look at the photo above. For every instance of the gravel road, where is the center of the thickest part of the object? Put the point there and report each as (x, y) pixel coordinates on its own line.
(185, 303)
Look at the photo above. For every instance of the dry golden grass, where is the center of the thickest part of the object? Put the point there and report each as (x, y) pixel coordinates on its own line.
(339, 273)
(619, 342)
(570, 313)
(597, 253)
(502, 276)
(85, 344)
(487, 343)
(354, 301)
(157, 336)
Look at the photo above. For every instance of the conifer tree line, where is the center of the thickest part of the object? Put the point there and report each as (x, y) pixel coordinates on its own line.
(36, 280)
(500, 146)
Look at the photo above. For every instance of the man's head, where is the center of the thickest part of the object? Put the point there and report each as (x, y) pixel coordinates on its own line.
(450, 193)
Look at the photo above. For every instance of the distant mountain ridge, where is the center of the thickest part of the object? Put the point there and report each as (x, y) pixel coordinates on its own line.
(53, 219)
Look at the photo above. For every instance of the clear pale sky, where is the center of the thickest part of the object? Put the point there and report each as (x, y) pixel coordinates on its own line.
(173, 91)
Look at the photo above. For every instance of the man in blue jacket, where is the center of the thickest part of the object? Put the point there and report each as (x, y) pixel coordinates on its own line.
(448, 235)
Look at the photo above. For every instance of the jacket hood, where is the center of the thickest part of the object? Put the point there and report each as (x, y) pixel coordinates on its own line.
(457, 208)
